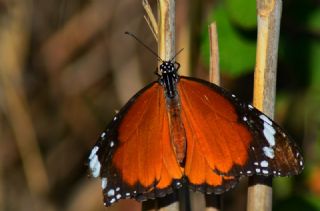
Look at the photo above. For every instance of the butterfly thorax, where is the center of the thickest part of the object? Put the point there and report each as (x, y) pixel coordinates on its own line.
(169, 79)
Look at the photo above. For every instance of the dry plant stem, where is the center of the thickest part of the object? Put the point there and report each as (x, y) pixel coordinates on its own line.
(150, 19)
(269, 15)
(166, 24)
(213, 202)
(214, 74)
(166, 49)
(14, 36)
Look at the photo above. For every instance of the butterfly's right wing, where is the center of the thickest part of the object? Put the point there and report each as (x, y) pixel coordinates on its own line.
(232, 137)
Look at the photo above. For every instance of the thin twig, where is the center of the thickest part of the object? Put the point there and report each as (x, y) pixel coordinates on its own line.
(150, 19)
(269, 15)
(214, 74)
(213, 202)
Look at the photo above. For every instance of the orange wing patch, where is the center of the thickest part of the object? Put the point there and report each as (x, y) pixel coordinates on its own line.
(144, 157)
(198, 171)
(216, 138)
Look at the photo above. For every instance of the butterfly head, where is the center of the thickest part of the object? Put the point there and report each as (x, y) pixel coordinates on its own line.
(167, 67)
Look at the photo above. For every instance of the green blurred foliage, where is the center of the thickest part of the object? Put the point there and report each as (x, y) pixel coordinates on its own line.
(237, 51)
(243, 13)
(296, 203)
(299, 49)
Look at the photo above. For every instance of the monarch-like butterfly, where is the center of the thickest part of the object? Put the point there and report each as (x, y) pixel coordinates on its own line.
(181, 130)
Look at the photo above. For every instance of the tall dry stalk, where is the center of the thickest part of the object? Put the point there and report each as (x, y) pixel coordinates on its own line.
(269, 16)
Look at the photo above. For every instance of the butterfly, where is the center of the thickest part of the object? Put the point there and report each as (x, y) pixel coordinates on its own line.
(186, 131)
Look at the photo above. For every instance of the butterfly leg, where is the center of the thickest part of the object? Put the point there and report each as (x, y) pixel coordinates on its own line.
(178, 65)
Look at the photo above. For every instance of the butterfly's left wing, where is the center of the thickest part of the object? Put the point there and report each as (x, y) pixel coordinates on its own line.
(134, 156)
(233, 137)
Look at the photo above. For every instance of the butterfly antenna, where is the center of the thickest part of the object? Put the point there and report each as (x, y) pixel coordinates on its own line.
(147, 47)
(176, 55)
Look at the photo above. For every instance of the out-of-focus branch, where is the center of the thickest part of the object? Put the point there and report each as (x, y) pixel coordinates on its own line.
(14, 37)
(76, 33)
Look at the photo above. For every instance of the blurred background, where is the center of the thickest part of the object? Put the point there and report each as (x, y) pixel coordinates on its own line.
(66, 67)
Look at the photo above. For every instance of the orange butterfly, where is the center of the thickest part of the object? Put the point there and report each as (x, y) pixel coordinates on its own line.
(183, 130)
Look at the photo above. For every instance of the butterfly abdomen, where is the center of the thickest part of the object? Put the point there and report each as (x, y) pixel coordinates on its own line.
(177, 130)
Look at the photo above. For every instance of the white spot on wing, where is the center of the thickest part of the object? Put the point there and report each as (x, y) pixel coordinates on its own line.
(269, 128)
(264, 163)
(103, 135)
(94, 163)
(268, 132)
(117, 189)
(118, 196)
(104, 182)
(265, 171)
(268, 151)
(93, 152)
(110, 192)
(258, 170)
(265, 119)
(111, 143)
(112, 200)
